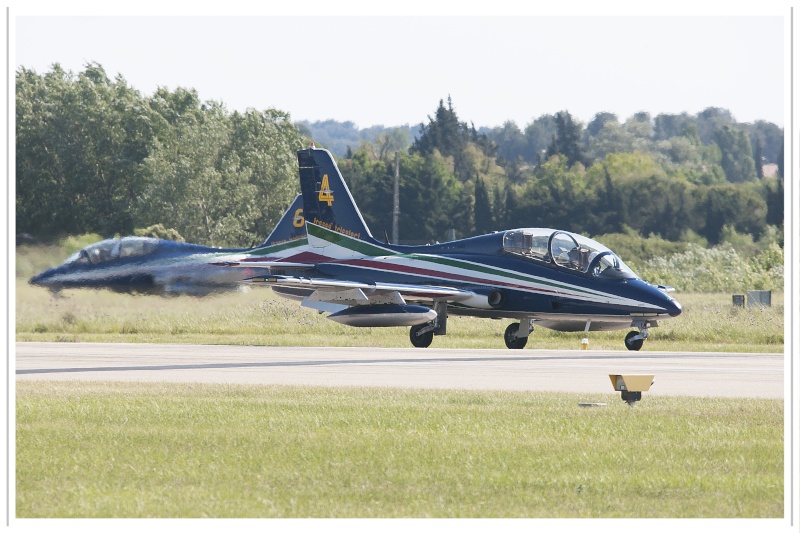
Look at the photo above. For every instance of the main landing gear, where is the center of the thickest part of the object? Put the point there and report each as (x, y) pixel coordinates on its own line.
(516, 335)
(421, 335)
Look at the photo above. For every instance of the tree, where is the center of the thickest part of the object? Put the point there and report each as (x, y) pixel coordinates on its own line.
(81, 141)
(510, 141)
(451, 138)
(391, 141)
(443, 132)
(774, 200)
(273, 171)
(666, 126)
(640, 125)
(758, 158)
(511, 214)
(433, 198)
(555, 198)
(539, 134)
(369, 181)
(210, 176)
(484, 222)
(599, 121)
(198, 186)
(612, 138)
(567, 140)
(41, 205)
(613, 208)
(710, 120)
(731, 205)
(770, 136)
(737, 155)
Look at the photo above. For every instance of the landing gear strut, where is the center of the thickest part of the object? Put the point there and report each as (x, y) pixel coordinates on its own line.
(634, 340)
(516, 335)
(422, 335)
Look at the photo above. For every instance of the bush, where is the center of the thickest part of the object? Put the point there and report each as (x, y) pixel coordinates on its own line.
(718, 269)
(159, 232)
(635, 248)
(73, 243)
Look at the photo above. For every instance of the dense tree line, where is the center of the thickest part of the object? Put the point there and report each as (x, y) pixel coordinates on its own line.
(678, 188)
(94, 155)
(711, 144)
(341, 137)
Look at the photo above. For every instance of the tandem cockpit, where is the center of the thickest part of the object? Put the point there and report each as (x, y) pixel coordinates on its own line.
(567, 250)
(111, 249)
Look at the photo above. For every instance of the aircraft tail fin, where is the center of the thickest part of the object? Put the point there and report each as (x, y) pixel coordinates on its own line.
(327, 201)
(291, 226)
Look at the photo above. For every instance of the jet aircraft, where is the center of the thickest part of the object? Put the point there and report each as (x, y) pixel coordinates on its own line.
(145, 265)
(556, 279)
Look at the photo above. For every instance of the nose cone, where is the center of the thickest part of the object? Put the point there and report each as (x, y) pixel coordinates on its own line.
(655, 299)
(674, 307)
(45, 279)
(38, 279)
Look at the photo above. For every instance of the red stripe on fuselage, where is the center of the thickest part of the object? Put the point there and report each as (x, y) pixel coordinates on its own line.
(435, 274)
(303, 257)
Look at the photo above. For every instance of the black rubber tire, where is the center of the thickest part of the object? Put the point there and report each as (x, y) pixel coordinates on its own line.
(633, 345)
(512, 341)
(420, 341)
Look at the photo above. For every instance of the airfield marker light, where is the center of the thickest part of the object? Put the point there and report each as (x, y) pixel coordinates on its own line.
(631, 386)
(585, 340)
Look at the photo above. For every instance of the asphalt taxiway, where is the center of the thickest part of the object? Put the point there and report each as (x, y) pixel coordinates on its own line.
(685, 374)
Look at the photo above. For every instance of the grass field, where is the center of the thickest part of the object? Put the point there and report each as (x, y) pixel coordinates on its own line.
(709, 322)
(155, 450)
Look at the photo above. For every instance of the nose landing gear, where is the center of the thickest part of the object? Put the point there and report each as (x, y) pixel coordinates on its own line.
(634, 340)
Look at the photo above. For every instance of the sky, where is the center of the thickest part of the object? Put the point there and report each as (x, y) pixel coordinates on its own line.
(394, 70)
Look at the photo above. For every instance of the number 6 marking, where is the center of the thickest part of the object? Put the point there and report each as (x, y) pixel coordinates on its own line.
(298, 218)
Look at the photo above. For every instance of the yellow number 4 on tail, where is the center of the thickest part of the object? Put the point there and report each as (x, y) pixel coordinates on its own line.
(325, 192)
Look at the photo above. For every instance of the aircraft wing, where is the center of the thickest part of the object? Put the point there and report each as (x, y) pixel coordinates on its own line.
(334, 286)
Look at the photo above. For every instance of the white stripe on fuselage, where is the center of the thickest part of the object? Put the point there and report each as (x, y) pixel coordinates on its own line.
(532, 284)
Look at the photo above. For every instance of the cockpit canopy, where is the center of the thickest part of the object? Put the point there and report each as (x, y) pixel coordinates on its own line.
(565, 249)
(110, 249)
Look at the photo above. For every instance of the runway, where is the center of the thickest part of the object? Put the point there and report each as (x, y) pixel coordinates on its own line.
(683, 374)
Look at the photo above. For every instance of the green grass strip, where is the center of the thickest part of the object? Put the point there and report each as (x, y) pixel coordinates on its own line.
(170, 450)
(709, 322)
